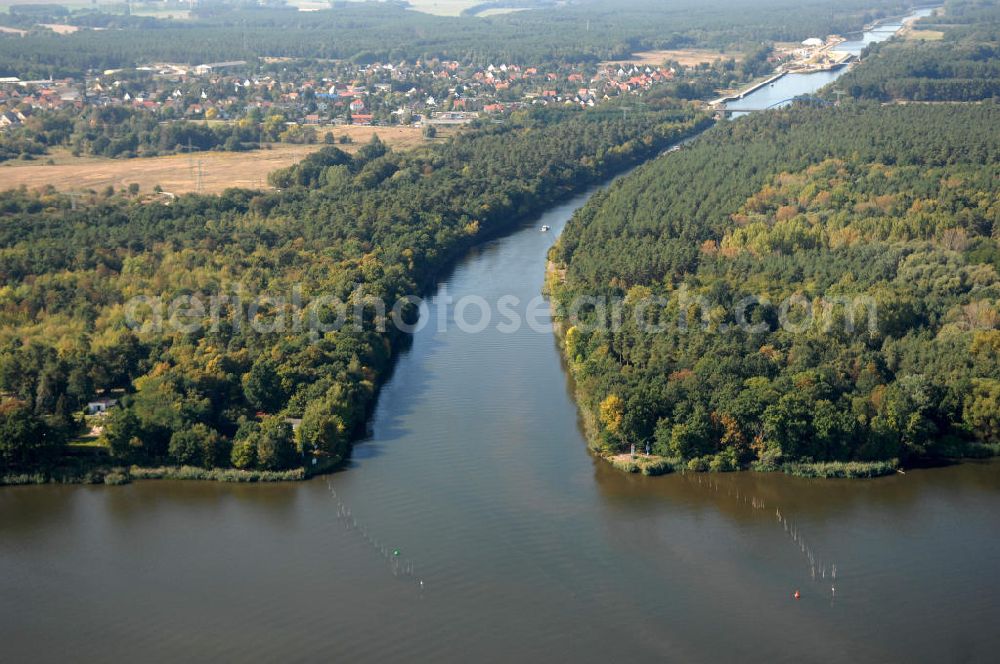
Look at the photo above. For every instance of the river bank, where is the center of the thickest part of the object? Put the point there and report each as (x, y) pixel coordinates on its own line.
(644, 141)
(116, 474)
(652, 465)
(633, 377)
(475, 471)
(832, 60)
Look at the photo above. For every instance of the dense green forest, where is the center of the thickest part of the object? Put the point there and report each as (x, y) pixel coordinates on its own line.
(963, 66)
(893, 207)
(223, 391)
(576, 32)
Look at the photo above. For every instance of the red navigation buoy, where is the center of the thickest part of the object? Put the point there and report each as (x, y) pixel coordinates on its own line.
(796, 595)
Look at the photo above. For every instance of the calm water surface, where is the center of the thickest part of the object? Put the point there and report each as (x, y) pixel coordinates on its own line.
(786, 88)
(526, 546)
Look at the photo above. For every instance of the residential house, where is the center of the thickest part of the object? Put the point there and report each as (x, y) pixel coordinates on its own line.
(101, 405)
(8, 119)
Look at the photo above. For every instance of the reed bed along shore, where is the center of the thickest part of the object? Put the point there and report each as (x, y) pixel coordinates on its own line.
(117, 475)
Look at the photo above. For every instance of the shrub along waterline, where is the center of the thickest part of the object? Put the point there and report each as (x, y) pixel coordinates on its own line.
(117, 475)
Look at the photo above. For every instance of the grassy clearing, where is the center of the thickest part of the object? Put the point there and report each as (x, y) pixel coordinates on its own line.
(162, 13)
(923, 35)
(61, 28)
(436, 7)
(500, 11)
(310, 5)
(178, 174)
(640, 463)
(688, 57)
(442, 7)
(89, 441)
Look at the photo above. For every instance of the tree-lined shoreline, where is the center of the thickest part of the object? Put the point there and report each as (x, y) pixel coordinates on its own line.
(249, 400)
(863, 200)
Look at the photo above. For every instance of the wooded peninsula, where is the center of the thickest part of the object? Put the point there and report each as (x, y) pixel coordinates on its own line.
(378, 224)
(813, 289)
(894, 206)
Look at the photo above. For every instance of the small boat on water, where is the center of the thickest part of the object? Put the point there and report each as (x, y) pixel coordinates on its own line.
(545, 229)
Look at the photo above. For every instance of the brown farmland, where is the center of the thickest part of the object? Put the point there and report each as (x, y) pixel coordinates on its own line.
(180, 173)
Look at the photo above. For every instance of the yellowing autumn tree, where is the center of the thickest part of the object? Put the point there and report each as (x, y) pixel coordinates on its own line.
(572, 342)
(612, 412)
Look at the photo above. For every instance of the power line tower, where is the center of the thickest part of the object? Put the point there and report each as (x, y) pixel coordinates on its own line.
(194, 165)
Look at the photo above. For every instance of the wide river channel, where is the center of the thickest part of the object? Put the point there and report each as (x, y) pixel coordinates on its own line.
(474, 526)
(513, 542)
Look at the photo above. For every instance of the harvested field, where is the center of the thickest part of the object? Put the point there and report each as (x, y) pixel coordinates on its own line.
(180, 173)
(922, 35)
(60, 28)
(687, 57)
(436, 7)
(442, 7)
